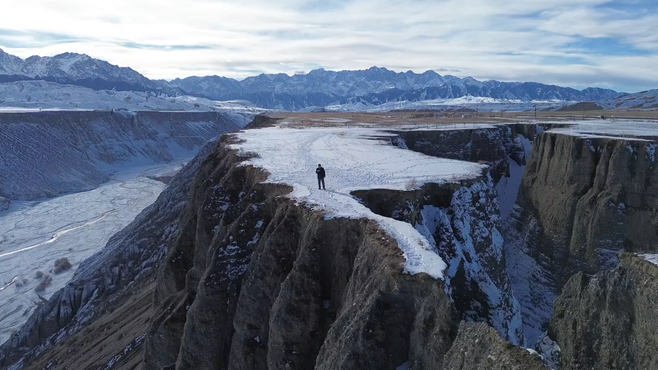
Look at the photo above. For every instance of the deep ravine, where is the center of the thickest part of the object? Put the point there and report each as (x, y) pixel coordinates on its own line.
(246, 276)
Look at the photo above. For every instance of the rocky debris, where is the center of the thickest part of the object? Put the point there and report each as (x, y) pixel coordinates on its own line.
(130, 255)
(479, 346)
(549, 350)
(49, 153)
(609, 320)
(45, 282)
(20, 282)
(4, 204)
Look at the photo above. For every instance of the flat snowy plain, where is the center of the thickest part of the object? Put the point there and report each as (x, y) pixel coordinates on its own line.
(34, 234)
(354, 159)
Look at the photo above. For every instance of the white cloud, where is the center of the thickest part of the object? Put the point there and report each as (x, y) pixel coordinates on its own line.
(487, 39)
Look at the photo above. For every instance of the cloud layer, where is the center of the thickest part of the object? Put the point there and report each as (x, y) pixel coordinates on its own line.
(568, 42)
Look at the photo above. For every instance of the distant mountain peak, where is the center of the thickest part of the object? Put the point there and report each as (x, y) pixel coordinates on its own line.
(319, 87)
(76, 69)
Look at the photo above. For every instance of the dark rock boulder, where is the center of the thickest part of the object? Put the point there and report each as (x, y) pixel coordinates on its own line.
(479, 346)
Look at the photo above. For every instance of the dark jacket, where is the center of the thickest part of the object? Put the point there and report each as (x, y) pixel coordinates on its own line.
(320, 172)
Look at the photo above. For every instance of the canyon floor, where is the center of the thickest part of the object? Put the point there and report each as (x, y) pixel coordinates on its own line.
(33, 234)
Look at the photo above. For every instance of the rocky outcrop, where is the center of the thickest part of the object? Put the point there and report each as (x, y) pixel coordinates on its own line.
(255, 280)
(461, 221)
(478, 346)
(609, 320)
(4, 204)
(49, 153)
(130, 255)
(583, 199)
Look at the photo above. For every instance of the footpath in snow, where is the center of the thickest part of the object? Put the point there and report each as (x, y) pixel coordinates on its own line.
(354, 159)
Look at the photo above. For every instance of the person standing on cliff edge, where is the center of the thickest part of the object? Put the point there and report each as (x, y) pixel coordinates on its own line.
(320, 172)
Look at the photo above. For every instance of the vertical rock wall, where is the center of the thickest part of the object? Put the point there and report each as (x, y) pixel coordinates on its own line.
(609, 320)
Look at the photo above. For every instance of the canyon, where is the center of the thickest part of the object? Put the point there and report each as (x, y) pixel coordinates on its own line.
(70, 180)
(502, 246)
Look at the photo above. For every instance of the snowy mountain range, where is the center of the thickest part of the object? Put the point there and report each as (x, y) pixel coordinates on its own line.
(641, 100)
(374, 86)
(74, 69)
(318, 88)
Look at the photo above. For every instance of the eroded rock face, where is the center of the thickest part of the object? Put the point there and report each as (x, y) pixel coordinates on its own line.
(582, 200)
(130, 255)
(461, 221)
(257, 281)
(49, 153)
(479, 346)
(493, 145)
(585, 199)
(609, 320)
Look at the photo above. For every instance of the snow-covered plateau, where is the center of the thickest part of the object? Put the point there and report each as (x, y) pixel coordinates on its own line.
(354, 161)
(446, 240)
(474, 103)
(34, 96)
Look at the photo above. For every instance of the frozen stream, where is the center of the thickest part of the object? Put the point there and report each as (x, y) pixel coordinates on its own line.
(34, 234)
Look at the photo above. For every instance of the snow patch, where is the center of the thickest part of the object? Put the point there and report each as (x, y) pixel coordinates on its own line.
(549, 351)
(460, 231)
(404, 366)
(630, 130)
(653, 258)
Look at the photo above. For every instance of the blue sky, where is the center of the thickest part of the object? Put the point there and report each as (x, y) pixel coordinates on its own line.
(575, 43)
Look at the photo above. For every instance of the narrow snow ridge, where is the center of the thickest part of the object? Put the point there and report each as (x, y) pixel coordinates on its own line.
(631, 129)
(354, 160)
(653, 258)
